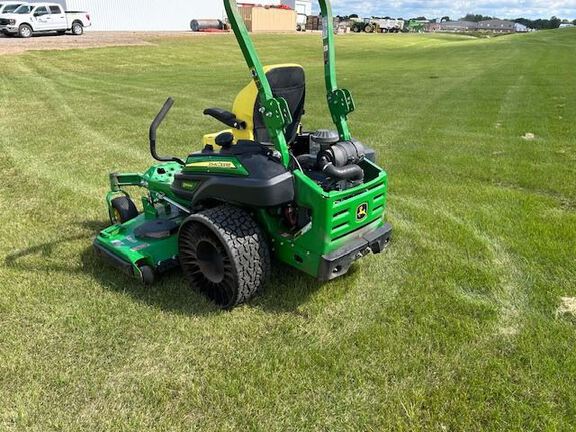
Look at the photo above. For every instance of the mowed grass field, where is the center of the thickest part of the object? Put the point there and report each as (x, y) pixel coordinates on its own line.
(456, 327)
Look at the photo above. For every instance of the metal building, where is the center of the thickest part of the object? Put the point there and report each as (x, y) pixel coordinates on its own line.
(153, 15)
(302, 7)
(145, 15)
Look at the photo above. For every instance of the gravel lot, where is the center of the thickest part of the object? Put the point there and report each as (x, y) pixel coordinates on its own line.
(12, 45)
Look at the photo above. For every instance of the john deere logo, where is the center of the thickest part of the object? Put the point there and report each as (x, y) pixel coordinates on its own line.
(362, 212)
(212, 164)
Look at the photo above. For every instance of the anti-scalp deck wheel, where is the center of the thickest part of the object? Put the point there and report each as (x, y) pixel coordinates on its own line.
(147, 275)
(123, 210)
(224, 255)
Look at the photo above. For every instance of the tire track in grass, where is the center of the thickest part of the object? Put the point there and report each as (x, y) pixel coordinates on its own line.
(93, 86)
(451, 126)
(65, 80)
(370, 283)
(61, 110)
(467, 121)
(399, 126)
(100, 139)
(509, 101)
(186, 110)
(509, 298)
(115, 85)
(19, 161)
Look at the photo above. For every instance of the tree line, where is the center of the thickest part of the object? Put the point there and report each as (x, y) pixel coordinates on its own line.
(537, 24)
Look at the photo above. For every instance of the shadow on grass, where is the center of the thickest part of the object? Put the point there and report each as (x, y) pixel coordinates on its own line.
(286, 291)
(289, 289)
(169, 293)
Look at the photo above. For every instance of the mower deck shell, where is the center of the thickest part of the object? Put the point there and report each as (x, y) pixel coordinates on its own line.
(128, 247)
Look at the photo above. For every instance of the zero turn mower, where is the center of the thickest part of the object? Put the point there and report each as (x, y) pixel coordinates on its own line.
(262, 188)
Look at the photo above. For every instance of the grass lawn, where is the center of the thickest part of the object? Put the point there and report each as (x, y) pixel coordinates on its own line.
(454, 327)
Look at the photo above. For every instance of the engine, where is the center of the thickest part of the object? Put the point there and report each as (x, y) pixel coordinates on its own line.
(333, 164)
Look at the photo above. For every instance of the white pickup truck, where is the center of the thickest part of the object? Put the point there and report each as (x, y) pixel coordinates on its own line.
(42, 18)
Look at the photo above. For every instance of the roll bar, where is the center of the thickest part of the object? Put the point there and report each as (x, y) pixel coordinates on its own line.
(276, 112)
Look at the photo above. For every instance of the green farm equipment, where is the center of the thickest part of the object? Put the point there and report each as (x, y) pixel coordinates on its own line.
(378, 25)
(259, 189)
(416, 26)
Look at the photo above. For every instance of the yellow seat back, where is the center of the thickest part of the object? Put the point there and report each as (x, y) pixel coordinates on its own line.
(244, 107)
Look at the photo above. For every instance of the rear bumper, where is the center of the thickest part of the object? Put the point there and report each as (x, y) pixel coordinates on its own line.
(338, 262)
(85, 25)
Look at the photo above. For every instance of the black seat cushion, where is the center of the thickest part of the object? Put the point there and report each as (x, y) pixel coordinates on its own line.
(289, 83)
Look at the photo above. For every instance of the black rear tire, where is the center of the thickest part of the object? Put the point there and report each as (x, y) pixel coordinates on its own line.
(123, 210)
(224, 255)
(77, 29)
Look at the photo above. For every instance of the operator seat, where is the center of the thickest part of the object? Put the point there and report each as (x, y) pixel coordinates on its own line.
(267, 182)
(287, 81)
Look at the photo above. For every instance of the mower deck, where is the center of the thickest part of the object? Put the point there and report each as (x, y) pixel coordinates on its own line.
(142, 242)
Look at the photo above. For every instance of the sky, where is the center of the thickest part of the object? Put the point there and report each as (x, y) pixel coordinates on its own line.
(457, 8)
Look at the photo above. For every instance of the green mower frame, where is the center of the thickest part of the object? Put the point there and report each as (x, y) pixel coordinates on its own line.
(220, 216)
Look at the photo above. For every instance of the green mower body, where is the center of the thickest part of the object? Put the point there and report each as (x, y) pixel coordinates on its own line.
(313, 200)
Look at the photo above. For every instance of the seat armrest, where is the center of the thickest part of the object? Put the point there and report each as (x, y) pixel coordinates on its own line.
(226, 117)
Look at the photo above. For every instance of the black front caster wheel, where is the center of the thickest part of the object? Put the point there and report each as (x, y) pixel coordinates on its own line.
(123, 210)
(147, 275)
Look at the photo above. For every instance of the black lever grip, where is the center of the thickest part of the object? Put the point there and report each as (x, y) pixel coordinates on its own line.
(152, 133)
(160, 118)
(226, 117)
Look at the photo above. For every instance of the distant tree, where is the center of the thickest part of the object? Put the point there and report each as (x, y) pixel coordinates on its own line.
(540, 24)
(555, 22)
(421, 18)
(524, 21)
(574, 22)
(445, 19)
(476, 18)
(354, 16)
